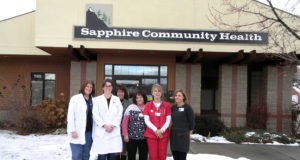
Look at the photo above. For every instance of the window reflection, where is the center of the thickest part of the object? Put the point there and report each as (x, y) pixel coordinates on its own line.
(128, 82)
(135, 70)
(138, 77)
(149, 81)
(108, 69)
(42, 85)
(163, 71)
(163, 81)
(49, 76)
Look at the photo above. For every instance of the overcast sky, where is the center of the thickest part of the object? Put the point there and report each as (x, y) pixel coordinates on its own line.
(12, 8)
(292, 6)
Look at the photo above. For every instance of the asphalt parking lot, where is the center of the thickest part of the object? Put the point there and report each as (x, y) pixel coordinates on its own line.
(250, 151)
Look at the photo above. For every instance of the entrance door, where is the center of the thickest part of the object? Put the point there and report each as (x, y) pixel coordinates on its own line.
(136, 77)
(135, 83)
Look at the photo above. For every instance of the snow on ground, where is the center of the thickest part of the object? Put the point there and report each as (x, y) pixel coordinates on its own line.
(33, 147)
(220, 139)
(216, 139)
(56, 147)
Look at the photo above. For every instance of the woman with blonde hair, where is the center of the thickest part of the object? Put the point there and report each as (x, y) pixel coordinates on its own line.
(157, 115)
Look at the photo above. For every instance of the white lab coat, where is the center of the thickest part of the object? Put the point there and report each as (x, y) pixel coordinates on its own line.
(77, 114)
(105, 142)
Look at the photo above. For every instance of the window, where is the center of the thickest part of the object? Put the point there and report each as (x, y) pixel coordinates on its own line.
(209, 84)
(42, 86)
(138, 76)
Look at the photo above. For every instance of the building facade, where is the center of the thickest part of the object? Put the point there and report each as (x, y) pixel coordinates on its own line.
(139, 43)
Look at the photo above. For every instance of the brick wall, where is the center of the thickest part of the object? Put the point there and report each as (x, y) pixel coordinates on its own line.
(12, 67)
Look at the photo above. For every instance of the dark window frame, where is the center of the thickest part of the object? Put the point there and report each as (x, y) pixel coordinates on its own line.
(43, 80)
(158, 76)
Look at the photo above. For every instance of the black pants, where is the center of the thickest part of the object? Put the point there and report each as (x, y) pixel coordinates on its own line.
(179, 155)
(132, 147)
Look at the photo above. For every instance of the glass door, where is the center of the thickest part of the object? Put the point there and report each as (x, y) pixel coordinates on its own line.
(135, 83)
(138, 77)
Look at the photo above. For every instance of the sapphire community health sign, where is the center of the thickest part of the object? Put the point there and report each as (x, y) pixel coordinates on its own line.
(97, 28)
(171, 35)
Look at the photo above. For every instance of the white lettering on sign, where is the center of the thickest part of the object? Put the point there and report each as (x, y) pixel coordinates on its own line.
(172, 35)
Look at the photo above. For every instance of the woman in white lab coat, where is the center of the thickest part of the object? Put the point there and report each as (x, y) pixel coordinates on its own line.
(80, 122)
(107, 115)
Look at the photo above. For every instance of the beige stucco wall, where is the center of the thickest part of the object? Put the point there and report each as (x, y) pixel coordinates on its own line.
(55, 20)
(17, 36)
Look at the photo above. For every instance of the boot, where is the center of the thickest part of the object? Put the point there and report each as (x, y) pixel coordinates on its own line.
(118, 156)
(123, 157)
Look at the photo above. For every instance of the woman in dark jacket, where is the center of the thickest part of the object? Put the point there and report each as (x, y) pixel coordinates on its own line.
(183, 123)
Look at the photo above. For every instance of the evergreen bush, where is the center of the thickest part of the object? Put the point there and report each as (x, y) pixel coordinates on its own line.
(257, 117)
(209, 125)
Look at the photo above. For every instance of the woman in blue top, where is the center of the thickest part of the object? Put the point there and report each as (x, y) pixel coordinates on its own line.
(80, 122)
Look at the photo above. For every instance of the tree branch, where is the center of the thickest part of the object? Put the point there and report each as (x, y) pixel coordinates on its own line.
(282, 22)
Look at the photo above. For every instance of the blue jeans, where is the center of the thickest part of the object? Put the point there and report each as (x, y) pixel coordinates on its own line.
(109, 156)
(82, 152)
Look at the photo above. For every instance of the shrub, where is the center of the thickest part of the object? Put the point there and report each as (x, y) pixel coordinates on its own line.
(56, 111)
(235, 135)
(257, 117)
(239, 135)
(209, 125)
(296, 122)
(27, 119)
(7, 125)
(284, 139)
(32, 122)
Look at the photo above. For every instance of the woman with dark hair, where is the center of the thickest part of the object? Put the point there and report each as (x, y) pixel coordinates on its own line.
(183, 123)
(107, 115)
(80, 122)
(133, 128)
(122, 93)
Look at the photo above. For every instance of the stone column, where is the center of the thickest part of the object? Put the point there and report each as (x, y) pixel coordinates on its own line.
(188, 78)
(195, 91)
(75, 78)
(232, 104)
(278, 98)
(81, 71)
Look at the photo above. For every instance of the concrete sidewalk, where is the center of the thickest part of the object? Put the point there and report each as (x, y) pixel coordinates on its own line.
(250, 151)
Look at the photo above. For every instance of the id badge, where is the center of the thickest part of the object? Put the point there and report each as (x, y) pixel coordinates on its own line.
(157, 114)
(180, 109)
(141, 115)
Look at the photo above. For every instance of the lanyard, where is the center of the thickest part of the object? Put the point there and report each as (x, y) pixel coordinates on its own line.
(160, 109)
